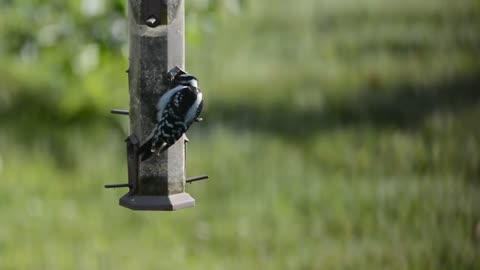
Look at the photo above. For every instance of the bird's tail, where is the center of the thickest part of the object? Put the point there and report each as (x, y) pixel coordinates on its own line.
(145, 150)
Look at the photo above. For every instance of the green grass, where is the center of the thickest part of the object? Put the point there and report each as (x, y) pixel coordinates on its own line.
(338, 135)
(269, 205)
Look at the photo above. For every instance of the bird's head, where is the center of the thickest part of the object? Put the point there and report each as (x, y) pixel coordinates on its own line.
(186, 79)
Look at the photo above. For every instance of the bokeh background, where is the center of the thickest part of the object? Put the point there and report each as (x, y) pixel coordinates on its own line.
(337, 135)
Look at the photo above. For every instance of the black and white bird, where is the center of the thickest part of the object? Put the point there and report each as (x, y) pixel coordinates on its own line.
(177, 109)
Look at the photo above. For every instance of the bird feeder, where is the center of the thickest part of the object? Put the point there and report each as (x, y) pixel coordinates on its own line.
(157, 51)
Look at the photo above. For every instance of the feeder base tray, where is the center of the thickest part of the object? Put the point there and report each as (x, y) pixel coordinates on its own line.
(157, 203)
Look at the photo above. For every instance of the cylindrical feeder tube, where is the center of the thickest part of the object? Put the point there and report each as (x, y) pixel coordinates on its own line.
(157, 44)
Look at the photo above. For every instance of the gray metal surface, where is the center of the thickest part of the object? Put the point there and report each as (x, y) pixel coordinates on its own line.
(164, 203)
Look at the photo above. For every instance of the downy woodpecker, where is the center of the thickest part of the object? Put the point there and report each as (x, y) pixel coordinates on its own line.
(177, 109)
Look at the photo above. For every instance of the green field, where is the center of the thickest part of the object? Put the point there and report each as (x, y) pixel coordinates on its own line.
(337, 135)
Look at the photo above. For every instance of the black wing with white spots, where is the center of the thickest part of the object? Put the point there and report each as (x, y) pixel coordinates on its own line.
(175, 116)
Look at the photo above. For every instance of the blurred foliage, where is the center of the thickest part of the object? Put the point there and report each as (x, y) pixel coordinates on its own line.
(338, 135)
(62, 51)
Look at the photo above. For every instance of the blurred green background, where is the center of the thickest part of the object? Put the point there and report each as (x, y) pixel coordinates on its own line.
(338, 135)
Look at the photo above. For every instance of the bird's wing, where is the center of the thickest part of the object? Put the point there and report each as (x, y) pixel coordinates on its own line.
(162, 103)
(172, 124)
